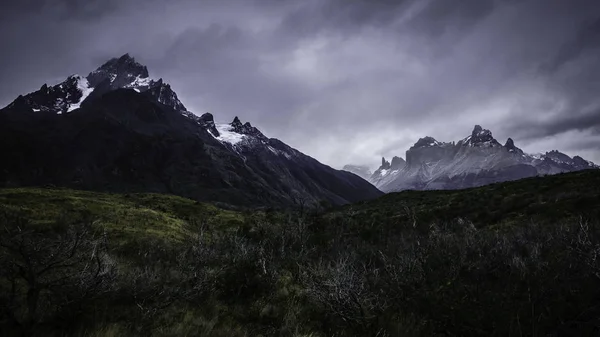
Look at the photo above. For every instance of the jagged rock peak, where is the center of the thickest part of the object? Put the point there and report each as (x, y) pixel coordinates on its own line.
(509, 143)
(385, 164)
(480, 133)
(207, 117)
(480, 137)
(127, 64)
(397, 163)
(120, 72)
(581, 162)
(165, 95)
(246, 129)
(510, 146)
(206, 120)
(426, 141)
(558, 156)
(117, 73)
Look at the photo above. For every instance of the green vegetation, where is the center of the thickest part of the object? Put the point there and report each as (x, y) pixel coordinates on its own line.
(543, 199)
(125, 217)
(512, 259)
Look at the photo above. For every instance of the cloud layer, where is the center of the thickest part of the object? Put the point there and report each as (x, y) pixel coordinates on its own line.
(345, 81)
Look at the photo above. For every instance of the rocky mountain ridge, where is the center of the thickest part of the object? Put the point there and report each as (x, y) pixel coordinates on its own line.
(475, 160)
(117, 129)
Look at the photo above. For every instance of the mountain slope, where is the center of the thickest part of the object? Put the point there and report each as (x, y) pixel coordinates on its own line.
(476, 160)
(119, 130)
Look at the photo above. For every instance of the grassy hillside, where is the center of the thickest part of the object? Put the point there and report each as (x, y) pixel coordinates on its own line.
(124, 216)
(517, 258)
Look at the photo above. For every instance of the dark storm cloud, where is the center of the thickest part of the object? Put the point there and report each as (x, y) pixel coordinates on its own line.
(62, 9)
(587, 121)
(439, 16)
(341, 15)
(432, 17)
(573, 76)
(587, 38)
(342, 80)
(225, 61)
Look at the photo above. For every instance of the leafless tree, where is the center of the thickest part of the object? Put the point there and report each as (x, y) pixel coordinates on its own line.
(341, 286)
(49, 270)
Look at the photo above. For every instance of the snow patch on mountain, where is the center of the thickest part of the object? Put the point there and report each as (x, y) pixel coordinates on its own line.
(279, 152)
(83, 86)
(227, 135)
(140, 84)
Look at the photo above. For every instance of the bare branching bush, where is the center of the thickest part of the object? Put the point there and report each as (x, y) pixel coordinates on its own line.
(295, 274)
(50, 272)
(341, 287)
(583, 241)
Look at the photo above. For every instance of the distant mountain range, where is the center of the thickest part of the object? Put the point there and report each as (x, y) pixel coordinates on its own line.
(476, 160)
(117, 129)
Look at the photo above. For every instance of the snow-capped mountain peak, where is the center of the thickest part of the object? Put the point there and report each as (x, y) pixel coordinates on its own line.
(233, 133)
(246, 129)
(226, 133)
(475, 160)
(119, 129)
(118, 73)
(480, 137)
(60, 98)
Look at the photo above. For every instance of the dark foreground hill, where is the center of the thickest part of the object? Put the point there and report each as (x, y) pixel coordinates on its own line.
(510, 259)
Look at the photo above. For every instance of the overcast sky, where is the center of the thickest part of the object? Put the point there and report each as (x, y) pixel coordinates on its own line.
(344, 81)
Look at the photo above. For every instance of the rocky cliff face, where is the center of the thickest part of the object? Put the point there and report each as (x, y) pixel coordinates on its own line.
(476, 160)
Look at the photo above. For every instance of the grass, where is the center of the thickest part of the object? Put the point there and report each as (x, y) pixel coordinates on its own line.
(124, 216)
(170, 218)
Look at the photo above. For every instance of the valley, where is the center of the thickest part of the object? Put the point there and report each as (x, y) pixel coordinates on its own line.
(492, 260)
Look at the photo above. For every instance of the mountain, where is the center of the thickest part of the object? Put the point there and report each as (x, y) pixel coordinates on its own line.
(119, 130)
(360, 170)
(478, 159)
